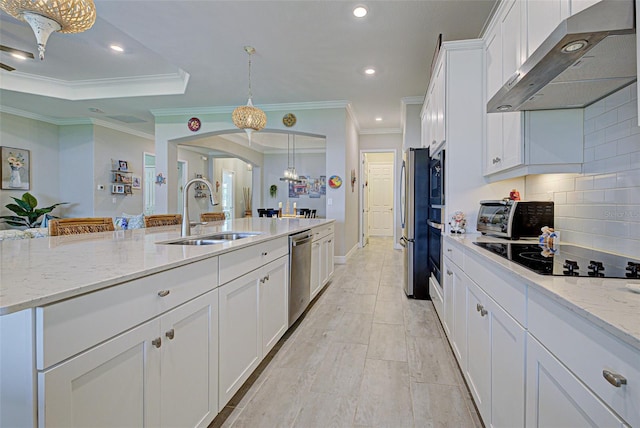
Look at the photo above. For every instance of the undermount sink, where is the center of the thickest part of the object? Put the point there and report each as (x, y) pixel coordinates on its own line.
(217, 238)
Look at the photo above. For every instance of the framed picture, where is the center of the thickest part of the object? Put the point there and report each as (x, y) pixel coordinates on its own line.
(137, 182)
(117, 188)
(123, 166)
(15, 168)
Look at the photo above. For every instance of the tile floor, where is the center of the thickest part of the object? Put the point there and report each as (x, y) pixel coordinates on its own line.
(363, 356)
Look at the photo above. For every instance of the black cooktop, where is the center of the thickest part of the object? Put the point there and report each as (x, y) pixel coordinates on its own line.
(567, 260)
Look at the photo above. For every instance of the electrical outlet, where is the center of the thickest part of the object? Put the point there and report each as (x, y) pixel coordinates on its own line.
(329, 201)
(114, 200)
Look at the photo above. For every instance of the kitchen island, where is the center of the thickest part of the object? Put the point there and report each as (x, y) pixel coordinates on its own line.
(539, 350)
(123, 329)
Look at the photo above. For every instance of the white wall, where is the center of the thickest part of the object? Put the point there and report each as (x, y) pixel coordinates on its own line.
(600, 208)
(112, 144)
(352, 199)
(412, 130)
(42, 140)
(308, 164)
(195, 165)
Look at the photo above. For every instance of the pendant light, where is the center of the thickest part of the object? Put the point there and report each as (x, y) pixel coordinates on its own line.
(47, 16)
(290, 173)
(248, 117)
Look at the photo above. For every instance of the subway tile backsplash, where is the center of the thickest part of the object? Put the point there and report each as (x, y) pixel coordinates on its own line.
(600, 208)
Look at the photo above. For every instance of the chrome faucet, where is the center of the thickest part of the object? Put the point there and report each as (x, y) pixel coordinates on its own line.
(186, 224)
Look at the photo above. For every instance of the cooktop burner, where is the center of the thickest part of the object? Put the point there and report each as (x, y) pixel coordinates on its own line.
(567, 260)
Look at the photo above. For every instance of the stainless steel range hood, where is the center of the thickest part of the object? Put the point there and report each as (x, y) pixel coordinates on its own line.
(555, 76)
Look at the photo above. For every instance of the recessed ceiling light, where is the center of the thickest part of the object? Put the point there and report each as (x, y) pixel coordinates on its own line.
(360, 12)
(19, 56)
(378, 119)
(370, 71)
(117, 48)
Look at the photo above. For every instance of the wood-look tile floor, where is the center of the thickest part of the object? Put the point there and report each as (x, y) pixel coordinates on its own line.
(364, 355)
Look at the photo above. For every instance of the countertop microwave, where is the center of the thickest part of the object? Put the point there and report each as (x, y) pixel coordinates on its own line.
(514, 219)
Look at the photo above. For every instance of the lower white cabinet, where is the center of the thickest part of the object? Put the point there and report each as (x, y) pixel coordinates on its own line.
(496, 356)
(322, 253)
(556, 398)
(253, 317)
(161, 373)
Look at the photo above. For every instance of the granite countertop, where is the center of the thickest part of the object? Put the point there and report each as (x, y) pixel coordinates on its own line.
(605, 302)
(39, 271)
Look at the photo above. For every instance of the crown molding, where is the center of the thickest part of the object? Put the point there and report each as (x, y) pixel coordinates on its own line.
(163, 112)
(162, 84)
(75, 121)
(373, 131)
(353, 117)
(412, 100)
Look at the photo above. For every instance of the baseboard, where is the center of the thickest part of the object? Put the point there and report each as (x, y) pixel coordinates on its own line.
(341, 260)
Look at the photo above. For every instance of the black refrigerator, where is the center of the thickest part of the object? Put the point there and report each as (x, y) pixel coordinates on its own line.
(415, 214)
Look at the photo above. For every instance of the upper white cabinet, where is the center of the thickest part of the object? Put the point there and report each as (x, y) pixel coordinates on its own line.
(522, 143)
(434, 110)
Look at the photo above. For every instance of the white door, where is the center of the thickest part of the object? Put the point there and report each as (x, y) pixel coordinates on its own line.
(149, 183)
(227, 192)
(380, 199)
(365, 201)
(182, 180)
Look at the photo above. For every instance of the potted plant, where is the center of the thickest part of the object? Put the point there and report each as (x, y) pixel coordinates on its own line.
(26, 213)
(273, 190)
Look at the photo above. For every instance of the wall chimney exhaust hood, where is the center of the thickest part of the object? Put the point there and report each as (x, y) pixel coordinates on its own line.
(587, 57)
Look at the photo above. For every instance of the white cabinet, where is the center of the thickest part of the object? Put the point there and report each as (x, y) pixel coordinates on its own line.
(253, 316)
(161, 373)
(455, 307)
(522, 143)
(556, 398)
(322, 254)
(434, 109)
(496, 355)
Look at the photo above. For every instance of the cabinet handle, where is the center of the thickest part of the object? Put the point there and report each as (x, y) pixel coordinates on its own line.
(264, 253)
(170, 334)
(449, 250)
(330, 240)
(480, 308)
(157, 342)
(449, 272)
(163, 293)
(266, 278)
(614, 379)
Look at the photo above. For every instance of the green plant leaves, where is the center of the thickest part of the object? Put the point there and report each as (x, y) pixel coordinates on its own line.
(26, 213)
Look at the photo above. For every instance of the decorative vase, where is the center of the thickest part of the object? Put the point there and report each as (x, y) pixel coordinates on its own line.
(14, 179)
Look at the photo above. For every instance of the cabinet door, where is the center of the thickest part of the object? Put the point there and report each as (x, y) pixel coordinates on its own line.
(479, 350)
(556, 398)
(543, 16)
(512, 40)
(316, 285)
(330, 256)
(439, 107)
(240, 344)
(189, 391)
(507, 368)
(496, 360)
(448, 298)
(459, 329)
(324, 262)
(116, 383)
(425, 141)
(274, 302)
(493, 143)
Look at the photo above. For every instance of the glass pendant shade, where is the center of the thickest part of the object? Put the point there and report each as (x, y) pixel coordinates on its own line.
(47, 16)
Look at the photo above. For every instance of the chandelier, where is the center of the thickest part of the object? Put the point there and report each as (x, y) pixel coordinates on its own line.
(47, 16)
(248, 117)
(290, 173)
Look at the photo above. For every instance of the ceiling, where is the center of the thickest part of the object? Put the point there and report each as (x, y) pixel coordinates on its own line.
(189, 55)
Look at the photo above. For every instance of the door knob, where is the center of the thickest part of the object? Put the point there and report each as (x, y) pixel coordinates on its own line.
(157, 342)
(170, 334)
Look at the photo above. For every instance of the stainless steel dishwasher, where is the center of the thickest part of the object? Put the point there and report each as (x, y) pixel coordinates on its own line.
(300, 274)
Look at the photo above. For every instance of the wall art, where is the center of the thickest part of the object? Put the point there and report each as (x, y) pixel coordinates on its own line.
(15, 168)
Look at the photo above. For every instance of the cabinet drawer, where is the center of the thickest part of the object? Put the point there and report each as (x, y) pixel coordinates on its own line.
(453, 252)
(322, 231)
(66, 328)
(512, 295)
(587, 351)
(237, 263)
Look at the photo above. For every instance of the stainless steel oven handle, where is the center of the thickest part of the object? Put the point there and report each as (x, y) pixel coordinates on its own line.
(435, 225)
